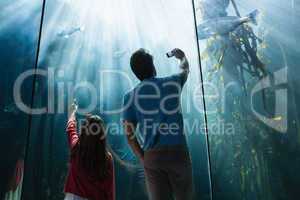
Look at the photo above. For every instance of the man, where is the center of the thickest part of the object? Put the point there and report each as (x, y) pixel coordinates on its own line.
(154, 107)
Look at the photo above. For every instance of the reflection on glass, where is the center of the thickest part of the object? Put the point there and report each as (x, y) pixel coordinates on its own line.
(19, 25)
(249, 57)
(16, 181)
(85, 48)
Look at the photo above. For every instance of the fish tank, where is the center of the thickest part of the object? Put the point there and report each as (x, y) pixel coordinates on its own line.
(240, 104)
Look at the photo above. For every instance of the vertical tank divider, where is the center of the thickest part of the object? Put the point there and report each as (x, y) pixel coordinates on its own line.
(204, 104)
(33, 91)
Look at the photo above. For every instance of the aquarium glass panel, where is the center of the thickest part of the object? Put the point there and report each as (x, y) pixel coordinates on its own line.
(250, 62)
(85, 52)
(19, 31)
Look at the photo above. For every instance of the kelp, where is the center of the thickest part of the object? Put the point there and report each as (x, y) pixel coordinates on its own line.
(243, 169)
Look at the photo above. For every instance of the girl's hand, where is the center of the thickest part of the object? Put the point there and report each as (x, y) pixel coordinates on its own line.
(73, 107)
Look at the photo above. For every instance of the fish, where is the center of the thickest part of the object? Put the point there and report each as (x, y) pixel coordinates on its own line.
(70, 32)
(278, 118)
(224, 25)
(11, 108)
(120, 53)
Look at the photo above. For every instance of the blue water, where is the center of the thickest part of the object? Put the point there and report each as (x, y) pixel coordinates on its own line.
(87, 45)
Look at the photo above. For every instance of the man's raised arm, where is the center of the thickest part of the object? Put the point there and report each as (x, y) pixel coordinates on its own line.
(184, 64)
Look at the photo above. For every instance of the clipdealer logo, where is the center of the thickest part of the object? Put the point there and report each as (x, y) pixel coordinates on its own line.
(278, 81)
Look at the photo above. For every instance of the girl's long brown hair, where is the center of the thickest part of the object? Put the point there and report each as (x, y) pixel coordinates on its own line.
(91, 148)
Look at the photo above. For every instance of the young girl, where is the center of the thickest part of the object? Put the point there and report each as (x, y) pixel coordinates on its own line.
(91, 171)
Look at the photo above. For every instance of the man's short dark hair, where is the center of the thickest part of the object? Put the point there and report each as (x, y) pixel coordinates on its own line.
(142, 65)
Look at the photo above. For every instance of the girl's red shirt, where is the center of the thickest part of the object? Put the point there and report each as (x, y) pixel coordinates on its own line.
(78, 182)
